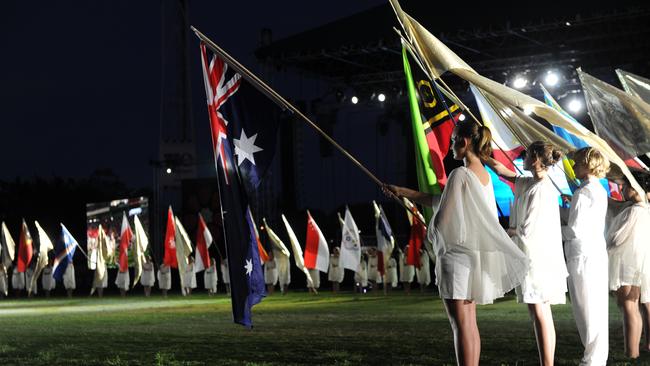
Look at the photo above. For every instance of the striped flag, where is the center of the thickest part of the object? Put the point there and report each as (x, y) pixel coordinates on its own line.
(66, 248)
(170, 241)
(203, 243)
(317, 254)
(126, 235)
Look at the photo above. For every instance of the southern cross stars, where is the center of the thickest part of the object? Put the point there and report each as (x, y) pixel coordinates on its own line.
(245, 148)
(249, 266)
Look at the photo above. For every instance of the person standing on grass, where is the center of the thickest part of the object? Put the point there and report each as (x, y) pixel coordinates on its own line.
(374, 277)
(535, 228)
(225, 274)
(4, 282)
(210, 277)
(164, 279)
(147, 279)
(69, 281)
(391, 274)
(477, 262)
(270, 273)
(47, 281)
(189, 280)
(361, 275)
(423, 273)
(17, 281)
(335, 272)
(629, 267)
(586, 255)
(406, 271)
(123, 281)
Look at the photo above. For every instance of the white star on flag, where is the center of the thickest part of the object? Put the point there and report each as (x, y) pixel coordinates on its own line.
(245, 148)
(249, 266)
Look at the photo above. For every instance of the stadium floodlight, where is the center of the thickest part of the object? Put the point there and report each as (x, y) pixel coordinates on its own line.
(169, 170)
(520, 82)
(354, 99)
(461, 117)
(381, 97)
(575, 106)
(551, 79)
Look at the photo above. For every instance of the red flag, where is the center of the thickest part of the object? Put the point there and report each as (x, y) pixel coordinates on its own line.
(25, 250)
(126, 235)
(415, 242)
(203, 242)
(317, 253)
(170, 241)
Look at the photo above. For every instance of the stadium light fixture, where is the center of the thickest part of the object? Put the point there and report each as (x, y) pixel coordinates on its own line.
(520, 82)
(169, 170)
(354, 100)
(551, 79)
(575, 106)
(381, 97)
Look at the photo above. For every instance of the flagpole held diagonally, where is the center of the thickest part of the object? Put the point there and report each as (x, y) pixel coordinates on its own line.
(261, 86)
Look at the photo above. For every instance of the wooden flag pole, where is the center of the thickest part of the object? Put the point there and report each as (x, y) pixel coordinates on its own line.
(285, 105)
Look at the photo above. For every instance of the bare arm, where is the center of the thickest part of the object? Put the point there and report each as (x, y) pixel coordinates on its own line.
(501, 170)
(422, 198)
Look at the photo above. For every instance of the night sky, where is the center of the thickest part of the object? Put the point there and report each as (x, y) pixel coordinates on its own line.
(80, 80)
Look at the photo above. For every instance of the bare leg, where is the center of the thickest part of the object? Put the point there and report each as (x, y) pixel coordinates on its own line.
(627, 298)
(122, 292)
(407, 287)
(645, 311)
(164, 292)
(70, 292)
(270, 288)
(467, 341)
(147, 291)
(542, 318)
(100, 291)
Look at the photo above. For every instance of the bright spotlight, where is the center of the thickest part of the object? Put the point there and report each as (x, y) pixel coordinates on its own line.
(169, 170)
(520, 82)
(551, 79)
(381, 97)
(575, 106)
(568, 24)
(354, 100)
(461, 117)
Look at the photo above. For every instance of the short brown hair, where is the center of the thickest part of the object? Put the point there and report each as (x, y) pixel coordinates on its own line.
(594, 160)
(546, 153)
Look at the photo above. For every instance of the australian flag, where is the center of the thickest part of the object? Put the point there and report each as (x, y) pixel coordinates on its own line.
(65, 248)
(244, 127)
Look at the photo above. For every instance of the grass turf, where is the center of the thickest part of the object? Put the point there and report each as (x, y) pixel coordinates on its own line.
(298, 328)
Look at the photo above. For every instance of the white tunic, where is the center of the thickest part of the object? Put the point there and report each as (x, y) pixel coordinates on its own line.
(29, 273)
(586, 257)
(123, 280)
(4, 282)
(535, 218)
(47, 281)
(335, 272)
(391, 272)
(476, 259)
(315, 277)
(270, 273)
(423, 273)
(628, 240)
(282, 264)
(361, 275)
(406, 271)
(147, 279)
(224, 272)
(164, 278)
(373, 270)
(189, 280)
(17, 280)
(210, 277)
(69, 281)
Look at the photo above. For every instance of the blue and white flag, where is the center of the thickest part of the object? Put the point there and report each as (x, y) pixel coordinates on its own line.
(65, 248)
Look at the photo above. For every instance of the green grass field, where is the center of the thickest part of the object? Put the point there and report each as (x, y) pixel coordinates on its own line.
(294, 329)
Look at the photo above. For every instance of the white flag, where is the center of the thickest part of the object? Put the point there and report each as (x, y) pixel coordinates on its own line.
(141, 243)
(350, 256)
(297, 252)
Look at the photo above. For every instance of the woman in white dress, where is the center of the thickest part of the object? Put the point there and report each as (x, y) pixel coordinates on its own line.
(535, 227)
(147, 279)
(374, 277)
(586, 255)
(629, 267)
(4, 282)
(335, 272)
(164, 279)
(270, 273)
(122, 281)
(17, 281)
(476, 261)
(406, 271)
(225, 274)
(69, 281)
(361, 275)
(47, 281)
(190, 277)
(423, 273)
(210, 277)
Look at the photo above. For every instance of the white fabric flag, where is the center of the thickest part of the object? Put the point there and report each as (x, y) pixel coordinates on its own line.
(141, 244)
(350, 243)
(8, 246)
(183, 250)
(297, 252)
(44, 246)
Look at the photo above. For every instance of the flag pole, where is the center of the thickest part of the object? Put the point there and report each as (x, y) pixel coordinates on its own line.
(285, 105)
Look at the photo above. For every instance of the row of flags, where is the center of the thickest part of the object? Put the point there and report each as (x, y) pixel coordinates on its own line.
(34, 253)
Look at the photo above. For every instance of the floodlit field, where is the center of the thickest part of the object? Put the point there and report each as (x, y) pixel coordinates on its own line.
(298, 328)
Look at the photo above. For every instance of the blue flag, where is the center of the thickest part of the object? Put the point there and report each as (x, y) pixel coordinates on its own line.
(244, 126)
(65, 248)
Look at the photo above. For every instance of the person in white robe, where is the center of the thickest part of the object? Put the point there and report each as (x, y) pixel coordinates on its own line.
(629, 264)
(189, 280)
(406, 271)
(4, 281)
(47, 281)
(476, 261)
(361, 275)
(423, 273)
(210, 277)
(69, 281)
(391, 274)
(123, 281)
(270, 273)
(17, 281)
(536, 228)
(29, 273)
(374, 277)
(586, 255)
(283, 267)
(335, 272)
(315, 278)
(225, 274)
(164, 279)
(147, 279)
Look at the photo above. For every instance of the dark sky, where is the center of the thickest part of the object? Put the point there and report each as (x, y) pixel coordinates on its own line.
(80, 80)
